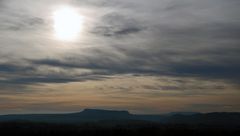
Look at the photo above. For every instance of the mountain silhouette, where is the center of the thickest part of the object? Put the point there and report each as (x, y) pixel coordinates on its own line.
(104, 113)
(96, 115)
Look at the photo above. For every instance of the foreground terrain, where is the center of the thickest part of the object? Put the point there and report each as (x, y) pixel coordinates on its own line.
(108, 129)
(120, 123)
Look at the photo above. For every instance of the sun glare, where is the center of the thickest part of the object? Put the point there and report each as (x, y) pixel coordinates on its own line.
(67, 23)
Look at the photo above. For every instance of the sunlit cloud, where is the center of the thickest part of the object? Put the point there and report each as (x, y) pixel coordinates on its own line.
(67, 23)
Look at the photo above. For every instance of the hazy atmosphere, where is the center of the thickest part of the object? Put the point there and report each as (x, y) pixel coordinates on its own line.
(147, 57)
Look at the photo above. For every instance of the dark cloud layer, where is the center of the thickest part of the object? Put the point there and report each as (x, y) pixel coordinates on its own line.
(114, 24)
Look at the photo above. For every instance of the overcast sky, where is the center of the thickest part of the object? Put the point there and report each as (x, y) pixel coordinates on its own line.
(151, 56)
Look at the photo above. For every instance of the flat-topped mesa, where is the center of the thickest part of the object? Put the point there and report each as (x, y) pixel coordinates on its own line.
(105, 112)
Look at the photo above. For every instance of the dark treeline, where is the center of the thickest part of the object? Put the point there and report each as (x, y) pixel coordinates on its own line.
(111, 128)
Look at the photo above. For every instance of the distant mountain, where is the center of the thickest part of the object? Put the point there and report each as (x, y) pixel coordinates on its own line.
(95, 115)
(181, 113)
(104, 114)
(216, 118)
(87, 115)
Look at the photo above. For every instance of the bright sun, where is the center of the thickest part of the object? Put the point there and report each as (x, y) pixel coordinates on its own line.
(67, 23)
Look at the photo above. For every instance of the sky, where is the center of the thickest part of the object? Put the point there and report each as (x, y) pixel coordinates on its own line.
(148, 57)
